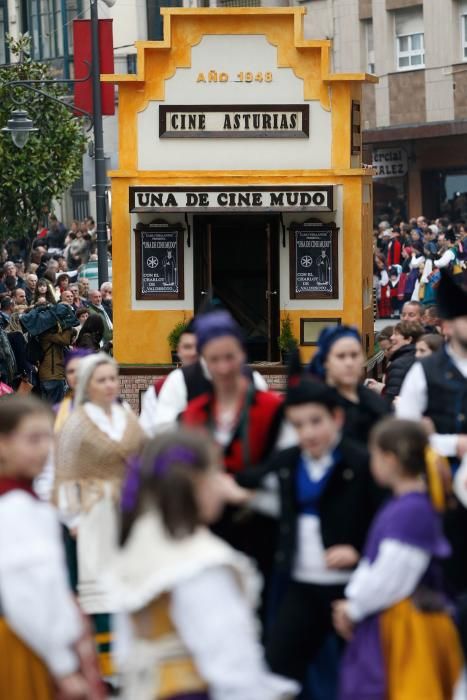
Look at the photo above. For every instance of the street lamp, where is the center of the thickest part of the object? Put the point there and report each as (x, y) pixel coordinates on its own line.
(20, 127)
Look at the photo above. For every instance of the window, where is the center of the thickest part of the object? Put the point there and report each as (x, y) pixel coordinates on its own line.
(410, 40)
(3, 30)
(51, 31)
(464, 36)
(369, 47)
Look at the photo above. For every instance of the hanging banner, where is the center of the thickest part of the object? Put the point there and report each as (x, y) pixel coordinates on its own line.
(82, 47)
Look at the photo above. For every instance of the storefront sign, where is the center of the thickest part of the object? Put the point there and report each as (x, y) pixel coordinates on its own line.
(159, 262)
(313, 261)
(198, 199)
(390, 162)
(234, 121)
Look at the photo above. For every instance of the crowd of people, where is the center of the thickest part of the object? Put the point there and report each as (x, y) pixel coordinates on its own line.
(232, 542)
(408, 258)
(35, 277)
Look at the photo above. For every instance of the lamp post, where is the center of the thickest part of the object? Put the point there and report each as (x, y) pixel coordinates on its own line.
(99, 160)
(20, 126)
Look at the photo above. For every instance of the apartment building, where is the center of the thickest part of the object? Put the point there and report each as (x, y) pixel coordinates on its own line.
(415, 119)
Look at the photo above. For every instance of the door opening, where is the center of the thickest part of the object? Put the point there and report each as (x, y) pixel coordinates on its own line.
(237, 264)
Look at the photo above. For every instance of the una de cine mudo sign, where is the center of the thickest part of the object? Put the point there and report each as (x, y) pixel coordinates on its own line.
(164, 199)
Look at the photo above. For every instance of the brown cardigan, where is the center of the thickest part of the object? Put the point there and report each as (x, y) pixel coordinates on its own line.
(86, 457)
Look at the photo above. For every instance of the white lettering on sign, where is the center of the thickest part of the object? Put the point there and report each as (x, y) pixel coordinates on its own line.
(287, 199)
(390, 162)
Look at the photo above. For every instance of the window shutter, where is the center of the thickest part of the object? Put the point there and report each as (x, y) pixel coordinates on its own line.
(409, 21)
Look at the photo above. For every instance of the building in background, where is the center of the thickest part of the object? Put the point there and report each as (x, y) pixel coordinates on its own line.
(415, 120)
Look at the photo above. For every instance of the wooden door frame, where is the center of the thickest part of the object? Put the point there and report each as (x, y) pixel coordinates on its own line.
(201, 222)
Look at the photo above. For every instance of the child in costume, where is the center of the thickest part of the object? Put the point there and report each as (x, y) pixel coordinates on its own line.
(40, 625)
(192, 630)
(328, 500)
(404, 644)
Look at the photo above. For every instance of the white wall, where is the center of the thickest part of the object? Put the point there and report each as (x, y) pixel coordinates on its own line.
(232, 54)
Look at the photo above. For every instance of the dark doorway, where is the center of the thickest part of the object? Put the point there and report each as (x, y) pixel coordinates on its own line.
(237, 263)
(444, 193)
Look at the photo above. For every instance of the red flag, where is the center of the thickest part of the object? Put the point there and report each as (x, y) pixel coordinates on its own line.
(83, 52)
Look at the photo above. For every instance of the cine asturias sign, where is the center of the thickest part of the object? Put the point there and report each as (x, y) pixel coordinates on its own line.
(165, 199)
(234, 121)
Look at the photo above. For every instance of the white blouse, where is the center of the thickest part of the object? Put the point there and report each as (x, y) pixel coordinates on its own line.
(113, 425)
(393, 576)
(34, 593)
(217, 626)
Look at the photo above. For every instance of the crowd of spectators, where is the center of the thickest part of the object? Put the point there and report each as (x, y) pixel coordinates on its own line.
(37, 274)
(408, 257)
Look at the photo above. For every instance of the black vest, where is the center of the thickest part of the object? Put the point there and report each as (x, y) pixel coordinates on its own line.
(196, 382)
(447, 393)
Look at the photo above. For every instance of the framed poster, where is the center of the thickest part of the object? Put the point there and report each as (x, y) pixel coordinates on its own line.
(313, 261)
(159, 262)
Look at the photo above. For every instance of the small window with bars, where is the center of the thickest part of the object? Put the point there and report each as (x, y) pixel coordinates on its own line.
(464, 36)
(238, 3)
(369, 47)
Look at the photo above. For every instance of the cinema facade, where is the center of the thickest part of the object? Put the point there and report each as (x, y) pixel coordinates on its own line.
(240, 178)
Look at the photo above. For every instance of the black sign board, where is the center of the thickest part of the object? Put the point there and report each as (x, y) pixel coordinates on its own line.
(159, 262)
(234, 121)
(314, 261)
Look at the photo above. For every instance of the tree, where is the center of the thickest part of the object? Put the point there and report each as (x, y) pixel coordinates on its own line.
(51, 160)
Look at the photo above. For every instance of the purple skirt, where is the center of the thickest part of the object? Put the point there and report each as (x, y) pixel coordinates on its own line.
(363, 674)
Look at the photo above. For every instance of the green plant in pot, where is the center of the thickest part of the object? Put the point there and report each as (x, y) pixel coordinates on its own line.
(174, 337)
(287, 341)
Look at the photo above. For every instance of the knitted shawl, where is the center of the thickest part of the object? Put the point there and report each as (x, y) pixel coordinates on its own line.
(87, 459)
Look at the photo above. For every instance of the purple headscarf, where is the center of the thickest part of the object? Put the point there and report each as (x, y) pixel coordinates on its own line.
(216, 325)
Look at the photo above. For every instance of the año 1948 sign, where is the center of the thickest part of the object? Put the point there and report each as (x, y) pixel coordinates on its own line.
(289, 198)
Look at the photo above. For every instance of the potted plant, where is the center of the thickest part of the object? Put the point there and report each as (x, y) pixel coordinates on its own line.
(174, 337)
(287, 341)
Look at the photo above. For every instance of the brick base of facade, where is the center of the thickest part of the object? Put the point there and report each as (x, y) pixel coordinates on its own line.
(135, 380)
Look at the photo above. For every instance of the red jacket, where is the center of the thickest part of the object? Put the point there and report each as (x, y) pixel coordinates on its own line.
(394, 252)
(159, 383)
(256, 432)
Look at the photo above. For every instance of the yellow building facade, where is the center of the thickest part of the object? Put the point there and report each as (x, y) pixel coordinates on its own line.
(240, 179)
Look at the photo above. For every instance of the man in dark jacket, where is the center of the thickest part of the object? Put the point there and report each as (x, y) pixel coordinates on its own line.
(403, 340)
(52, 366)
(436, 388)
